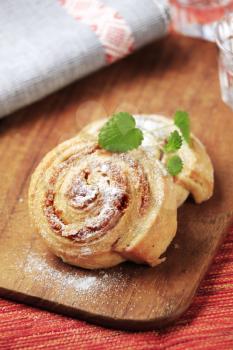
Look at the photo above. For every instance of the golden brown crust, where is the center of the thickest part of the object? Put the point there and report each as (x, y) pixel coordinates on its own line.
(197, 176)
(85, 201)
(96, 209)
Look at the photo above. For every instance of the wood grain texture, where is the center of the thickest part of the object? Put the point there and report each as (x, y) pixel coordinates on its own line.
(174, 73)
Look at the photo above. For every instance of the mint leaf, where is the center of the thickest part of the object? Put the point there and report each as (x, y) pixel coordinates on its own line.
(119, 133)
(174, 165)
(173, 143)
(181, 120)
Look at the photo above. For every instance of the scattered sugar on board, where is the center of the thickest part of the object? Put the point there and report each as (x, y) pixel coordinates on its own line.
(64, 277)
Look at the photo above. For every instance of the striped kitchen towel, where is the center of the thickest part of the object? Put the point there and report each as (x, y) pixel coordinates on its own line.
(45, 45)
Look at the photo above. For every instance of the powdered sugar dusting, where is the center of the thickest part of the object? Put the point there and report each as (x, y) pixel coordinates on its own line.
(81, 193)
(105, 191)
(160, 127)
(45, 267)
(110, 194)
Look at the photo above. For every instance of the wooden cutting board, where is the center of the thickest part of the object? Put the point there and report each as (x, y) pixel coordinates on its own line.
(176, 73)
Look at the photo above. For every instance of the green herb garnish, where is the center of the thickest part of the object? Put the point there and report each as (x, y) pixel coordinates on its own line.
(119, 134)
(181, 120)
(173, 143)
(174, 165)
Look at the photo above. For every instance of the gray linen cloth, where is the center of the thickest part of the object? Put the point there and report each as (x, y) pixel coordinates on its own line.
(47, 44)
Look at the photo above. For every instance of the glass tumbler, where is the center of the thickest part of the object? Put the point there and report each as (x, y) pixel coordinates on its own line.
(224, 39)
(198, 18)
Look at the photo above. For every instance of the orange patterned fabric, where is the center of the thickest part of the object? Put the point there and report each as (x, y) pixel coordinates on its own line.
(207, 325)
(110, 27)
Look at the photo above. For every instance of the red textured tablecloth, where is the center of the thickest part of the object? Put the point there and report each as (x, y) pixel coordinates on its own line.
(208, 324)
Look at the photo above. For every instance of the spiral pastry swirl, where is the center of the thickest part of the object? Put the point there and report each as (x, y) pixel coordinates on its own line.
(96, 209)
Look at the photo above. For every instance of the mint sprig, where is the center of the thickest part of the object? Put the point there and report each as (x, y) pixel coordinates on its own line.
(181, 120)
(119, 133)
(174, 165)
(173, 143)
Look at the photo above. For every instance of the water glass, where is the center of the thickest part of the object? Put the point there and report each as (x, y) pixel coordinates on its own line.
(224, 39)
(198, 18)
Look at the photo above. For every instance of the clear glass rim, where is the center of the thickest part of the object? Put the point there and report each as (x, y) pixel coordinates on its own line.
(218, 39)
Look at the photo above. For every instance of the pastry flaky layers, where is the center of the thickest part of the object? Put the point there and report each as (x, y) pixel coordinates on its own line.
(96, 209)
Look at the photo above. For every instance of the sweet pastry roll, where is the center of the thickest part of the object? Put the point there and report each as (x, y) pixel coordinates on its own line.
(197, 176)
(96, 209)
